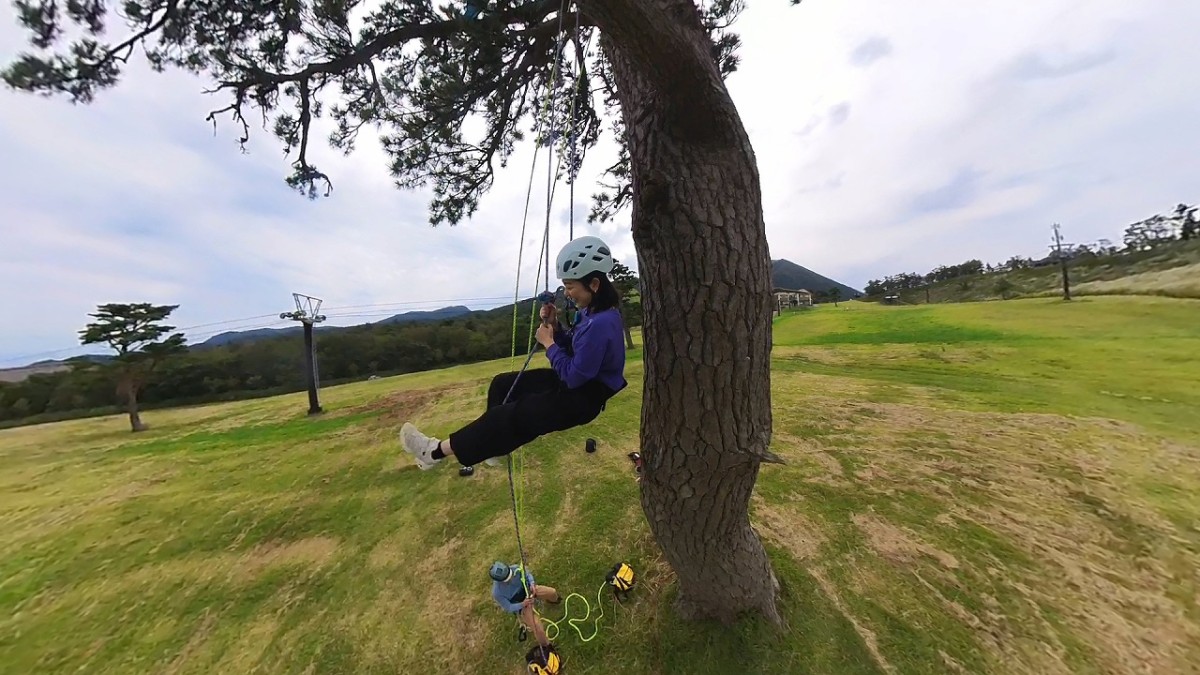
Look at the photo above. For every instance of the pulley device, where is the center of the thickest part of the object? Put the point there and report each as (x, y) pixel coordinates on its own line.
(561, 302)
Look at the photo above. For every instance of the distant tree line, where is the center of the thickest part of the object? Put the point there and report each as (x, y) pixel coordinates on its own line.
(1144, 235)
(268, 366)
(160, 371)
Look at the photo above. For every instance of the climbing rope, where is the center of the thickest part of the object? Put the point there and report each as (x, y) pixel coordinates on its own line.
(516, 467)
(515, 460)
(552, 627)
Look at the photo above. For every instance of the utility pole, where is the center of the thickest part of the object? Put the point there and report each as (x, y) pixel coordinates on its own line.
(306, 313)
(1062, 261)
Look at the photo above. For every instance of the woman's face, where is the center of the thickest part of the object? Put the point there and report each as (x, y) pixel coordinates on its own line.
(580, 294)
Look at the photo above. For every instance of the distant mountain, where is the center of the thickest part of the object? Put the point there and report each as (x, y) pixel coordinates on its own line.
(236, 336)
(243, 336)
(789, 275)
(432, 315)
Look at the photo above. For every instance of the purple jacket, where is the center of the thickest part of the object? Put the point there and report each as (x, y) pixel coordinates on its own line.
(593, 350)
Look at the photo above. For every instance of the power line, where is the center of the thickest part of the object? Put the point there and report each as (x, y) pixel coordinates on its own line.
(227, 321)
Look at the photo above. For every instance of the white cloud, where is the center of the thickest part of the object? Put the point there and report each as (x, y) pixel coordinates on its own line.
(963, 88)
(890, 137)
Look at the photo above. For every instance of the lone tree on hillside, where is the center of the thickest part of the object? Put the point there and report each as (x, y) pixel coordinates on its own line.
(686, 170)
(134, 332)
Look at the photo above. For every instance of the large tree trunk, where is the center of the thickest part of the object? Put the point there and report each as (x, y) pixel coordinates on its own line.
(701, 243)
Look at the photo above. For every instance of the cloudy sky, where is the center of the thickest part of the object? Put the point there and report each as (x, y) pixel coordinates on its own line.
(890, 137)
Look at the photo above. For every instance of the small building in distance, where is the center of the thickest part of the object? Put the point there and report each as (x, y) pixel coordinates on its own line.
(786, 297)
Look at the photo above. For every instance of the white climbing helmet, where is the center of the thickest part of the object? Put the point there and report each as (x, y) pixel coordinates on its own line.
(582, 256)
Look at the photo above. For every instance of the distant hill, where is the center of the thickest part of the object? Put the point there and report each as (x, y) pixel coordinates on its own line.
(47, 366)
(789, 275)
(431, 315)
(242, 336)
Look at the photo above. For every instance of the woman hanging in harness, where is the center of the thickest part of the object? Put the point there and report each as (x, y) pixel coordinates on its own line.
(587, 368)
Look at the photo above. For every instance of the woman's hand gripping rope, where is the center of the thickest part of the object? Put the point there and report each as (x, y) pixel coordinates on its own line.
(545, 332)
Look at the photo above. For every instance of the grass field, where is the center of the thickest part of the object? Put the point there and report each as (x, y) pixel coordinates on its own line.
(1004, 487)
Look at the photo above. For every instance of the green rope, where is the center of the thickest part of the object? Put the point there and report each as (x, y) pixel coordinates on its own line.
(516, 465)
(552, 627)
(516, 482)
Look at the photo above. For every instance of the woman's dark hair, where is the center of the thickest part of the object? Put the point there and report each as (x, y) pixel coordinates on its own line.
(604, 298)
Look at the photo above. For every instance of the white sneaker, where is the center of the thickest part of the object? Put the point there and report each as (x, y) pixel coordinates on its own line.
(494, 461)
(419, 445)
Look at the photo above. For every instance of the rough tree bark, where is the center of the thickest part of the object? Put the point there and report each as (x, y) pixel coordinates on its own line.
(701, 243)
(128, 389)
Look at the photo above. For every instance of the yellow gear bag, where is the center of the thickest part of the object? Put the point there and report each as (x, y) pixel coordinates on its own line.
(622, 579)
(543, 661)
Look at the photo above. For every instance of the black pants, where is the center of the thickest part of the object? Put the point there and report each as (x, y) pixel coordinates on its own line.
(540, 404)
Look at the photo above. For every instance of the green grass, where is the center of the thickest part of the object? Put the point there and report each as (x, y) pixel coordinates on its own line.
(1126, 358)
(989, 487)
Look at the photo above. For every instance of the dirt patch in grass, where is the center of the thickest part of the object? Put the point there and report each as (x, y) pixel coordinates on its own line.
(791, 530)
(245, 654)
(435, 560)
(795, 446)
(402, 406)
(389, 552)
(1056, 493)
(899, 544)
(311, 552)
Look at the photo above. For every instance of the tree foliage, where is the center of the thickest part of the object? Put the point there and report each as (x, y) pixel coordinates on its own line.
(134, 331)
(416, 71)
